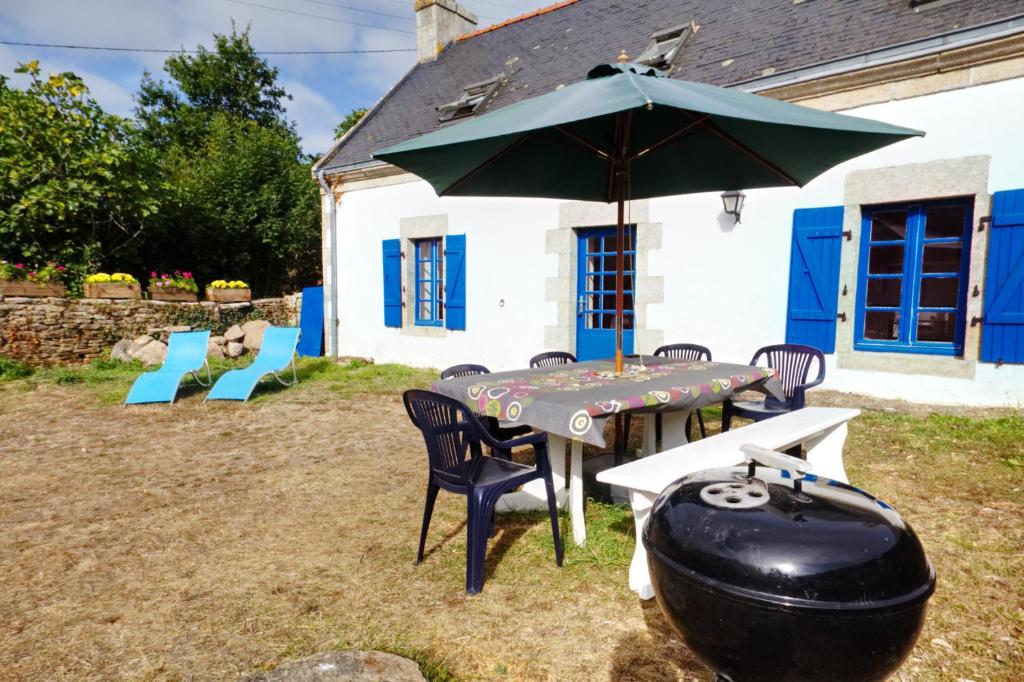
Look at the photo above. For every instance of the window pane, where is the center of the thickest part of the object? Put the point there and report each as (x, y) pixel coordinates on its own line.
(593, 263)
(886, 260)
(627, 321)
(609, 283)
(628, 265)
(941, 257)
(609, 243)
(440, 268)
(627, 282)
(939, 292)
(882, 325)
(944, 221)
(608, 321)
(888, 225)
(592, 283)
(423, 246)
(609, 302)
(627, 302)
(936, 326)
(593, 302)
(592, 320)
(593, 244)
(609, 264)
(424, 310)
(884, 293)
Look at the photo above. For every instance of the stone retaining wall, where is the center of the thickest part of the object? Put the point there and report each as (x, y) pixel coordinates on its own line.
(47, 331)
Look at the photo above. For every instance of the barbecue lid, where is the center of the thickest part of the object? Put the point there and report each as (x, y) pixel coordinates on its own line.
(782, 537)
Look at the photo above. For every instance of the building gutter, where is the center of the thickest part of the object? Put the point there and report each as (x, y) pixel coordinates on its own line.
(897, 53)
(332, 245)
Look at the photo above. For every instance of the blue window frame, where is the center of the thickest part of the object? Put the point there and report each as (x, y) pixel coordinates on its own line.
(912, 280)
(429, 285)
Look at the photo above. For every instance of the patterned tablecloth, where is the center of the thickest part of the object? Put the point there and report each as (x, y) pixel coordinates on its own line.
(575, 400)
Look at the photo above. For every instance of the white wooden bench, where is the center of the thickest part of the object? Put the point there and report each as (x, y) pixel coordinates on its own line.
(821, 430)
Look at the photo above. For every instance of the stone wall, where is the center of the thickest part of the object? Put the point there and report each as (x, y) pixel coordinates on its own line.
(47, 331)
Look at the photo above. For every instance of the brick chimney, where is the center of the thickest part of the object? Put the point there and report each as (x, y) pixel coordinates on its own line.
(439, 22)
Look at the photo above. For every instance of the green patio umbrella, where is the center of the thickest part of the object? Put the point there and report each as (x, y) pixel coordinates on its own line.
(629, 132)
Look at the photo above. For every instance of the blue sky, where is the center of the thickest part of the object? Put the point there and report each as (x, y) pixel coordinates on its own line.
(324, 87)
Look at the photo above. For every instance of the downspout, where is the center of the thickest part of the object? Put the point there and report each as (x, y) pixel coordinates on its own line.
(332, 236)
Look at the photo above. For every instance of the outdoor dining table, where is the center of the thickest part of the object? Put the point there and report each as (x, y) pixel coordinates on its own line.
(573, 402)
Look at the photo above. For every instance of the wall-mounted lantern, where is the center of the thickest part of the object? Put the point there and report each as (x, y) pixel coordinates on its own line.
(733, 203)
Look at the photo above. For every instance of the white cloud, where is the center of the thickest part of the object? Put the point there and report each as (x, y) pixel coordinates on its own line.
(314, 116)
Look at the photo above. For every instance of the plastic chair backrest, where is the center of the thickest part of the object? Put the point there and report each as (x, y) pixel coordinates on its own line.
(450, 431)
(552, 359)
(186, 351)
(456, 371)
(684, 351)
(792, 363)
(277, 348)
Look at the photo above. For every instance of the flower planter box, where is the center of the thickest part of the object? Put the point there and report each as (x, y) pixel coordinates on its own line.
(112, 290)
(228, 295)
(171, 294)
(34, 289)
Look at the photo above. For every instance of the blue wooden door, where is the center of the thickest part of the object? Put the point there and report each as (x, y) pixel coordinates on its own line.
(1002, 333)
(595, 293)
(814, 277)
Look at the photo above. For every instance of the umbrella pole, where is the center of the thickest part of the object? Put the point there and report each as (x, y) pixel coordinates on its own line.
(620, 258)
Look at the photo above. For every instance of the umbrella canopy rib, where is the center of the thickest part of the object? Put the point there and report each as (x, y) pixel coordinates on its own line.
(691, 127)
(469, 176)
(754, 155)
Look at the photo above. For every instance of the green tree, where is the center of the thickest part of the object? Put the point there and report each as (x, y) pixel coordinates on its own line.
(75, 185)
(350, 120)
(243, 204)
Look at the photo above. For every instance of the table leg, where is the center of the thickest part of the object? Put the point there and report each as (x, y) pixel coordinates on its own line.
(650, 442)
(579, 529)
(673, 429)
(639, 577)
(533, 496)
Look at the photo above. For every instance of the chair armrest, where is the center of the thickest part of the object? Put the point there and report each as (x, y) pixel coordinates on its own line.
(532, 439)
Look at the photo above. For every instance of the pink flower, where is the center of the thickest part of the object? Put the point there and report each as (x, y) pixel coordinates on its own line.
(153, 274)
(20, 265)
(188, 275)
(163, 276)
(60, 268)
(159, 284)
(32, 274)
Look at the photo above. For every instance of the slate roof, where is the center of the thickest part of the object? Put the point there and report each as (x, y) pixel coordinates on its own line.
(537, 53)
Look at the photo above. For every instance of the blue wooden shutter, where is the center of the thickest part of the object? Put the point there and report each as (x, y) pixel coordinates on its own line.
(455, 281)
(1002, 332)
(814, 277)
(392, 283)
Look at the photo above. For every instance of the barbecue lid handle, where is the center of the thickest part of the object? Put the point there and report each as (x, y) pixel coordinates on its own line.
(771, 458)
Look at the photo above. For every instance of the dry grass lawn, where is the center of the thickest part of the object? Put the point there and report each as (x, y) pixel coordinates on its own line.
(202, 542)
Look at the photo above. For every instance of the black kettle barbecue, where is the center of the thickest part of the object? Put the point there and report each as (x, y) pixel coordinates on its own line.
(773, 573)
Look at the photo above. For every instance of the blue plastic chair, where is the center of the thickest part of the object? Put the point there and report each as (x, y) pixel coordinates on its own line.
(552, 359)
(454, 438)
(494, 427)
(277, 352)
(792, 363)
(186, 354)
(686, 351)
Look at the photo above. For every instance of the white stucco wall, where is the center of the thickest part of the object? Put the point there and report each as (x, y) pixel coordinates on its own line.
(725, 285)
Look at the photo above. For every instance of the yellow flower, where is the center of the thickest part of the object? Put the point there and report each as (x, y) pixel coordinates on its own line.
(218, 284)
(98, 277)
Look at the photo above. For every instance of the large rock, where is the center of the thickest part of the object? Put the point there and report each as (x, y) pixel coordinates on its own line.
(214, 350)
(153, 353)
(234, 334)
(122, 350)
(219, 340)
(142, 340)
(344, 666)
(234, 349)
(254, 333)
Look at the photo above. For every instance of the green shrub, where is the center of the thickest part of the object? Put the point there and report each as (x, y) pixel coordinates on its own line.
(13, 369)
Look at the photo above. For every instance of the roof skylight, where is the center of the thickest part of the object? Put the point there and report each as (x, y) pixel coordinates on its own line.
(472, 98)
(664, 46)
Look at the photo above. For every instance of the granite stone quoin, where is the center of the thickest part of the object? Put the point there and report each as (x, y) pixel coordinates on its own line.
(65, 331)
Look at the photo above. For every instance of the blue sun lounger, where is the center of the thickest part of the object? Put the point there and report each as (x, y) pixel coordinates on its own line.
(277, 352)
(186, 354)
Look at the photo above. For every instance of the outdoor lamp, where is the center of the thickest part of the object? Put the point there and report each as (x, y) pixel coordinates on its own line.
(733, 202)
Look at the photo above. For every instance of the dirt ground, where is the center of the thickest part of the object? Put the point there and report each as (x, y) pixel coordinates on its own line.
(201, 542)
